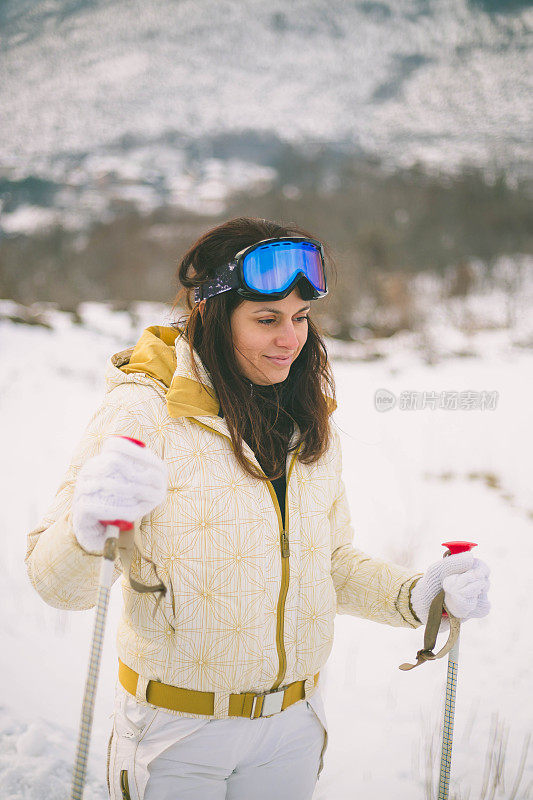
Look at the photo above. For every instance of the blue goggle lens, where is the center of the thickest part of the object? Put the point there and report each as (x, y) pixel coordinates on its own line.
(274, 266)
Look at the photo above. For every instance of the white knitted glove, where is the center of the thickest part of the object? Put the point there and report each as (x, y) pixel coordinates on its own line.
(465, 581)
(124, 481)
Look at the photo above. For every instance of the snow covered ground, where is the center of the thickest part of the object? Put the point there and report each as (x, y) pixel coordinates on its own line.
(415, 478)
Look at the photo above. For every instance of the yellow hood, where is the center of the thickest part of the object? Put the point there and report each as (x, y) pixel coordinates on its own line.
(158, 355)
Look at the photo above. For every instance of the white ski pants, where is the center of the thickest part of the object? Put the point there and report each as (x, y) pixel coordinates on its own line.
(154, 755)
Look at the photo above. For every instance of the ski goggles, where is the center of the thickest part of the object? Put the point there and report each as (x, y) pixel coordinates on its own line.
(271, 268)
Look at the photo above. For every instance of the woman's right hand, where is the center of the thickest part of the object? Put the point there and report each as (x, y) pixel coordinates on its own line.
(124, 482)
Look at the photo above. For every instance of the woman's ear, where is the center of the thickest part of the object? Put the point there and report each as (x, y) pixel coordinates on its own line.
(201, 309)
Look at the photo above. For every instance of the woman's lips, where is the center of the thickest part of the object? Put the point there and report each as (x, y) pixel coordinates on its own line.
(280, 361)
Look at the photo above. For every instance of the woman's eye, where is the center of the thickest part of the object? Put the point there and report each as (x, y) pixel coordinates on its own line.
(270, 321)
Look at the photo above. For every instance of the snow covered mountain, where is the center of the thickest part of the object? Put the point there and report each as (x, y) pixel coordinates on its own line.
(167, 96)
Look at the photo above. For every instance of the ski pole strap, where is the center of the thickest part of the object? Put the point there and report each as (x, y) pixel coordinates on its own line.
(127, 544)
(430, 634)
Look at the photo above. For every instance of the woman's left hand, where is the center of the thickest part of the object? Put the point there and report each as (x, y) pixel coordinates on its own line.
(465, 581)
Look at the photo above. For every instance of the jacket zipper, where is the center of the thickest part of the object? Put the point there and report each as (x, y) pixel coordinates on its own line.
(124, 784)
(285, 576)
(285, 554)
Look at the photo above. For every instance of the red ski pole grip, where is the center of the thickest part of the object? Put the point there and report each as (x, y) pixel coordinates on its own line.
(135, 441)
(459, 547)
(123, 524)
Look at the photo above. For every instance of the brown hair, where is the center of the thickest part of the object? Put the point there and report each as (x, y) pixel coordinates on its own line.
(262, 416)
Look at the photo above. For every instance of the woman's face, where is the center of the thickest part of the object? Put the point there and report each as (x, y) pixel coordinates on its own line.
(268, 336)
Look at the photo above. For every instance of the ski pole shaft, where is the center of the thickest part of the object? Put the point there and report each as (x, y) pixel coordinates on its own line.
(449, 701)
(113, 529)
(447, 731)
(91, 682)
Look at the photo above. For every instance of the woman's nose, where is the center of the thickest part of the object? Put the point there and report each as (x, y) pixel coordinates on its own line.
(287, 337)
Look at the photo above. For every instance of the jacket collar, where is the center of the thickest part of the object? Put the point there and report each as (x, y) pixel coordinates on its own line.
(163, 354)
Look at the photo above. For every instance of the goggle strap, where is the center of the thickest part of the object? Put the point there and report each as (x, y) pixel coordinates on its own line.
(227, 278)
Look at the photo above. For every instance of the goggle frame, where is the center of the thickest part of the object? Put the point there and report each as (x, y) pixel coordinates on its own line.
(231, 276)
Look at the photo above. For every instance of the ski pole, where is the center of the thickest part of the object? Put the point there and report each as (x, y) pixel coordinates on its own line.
(113, 529)
(451, 686)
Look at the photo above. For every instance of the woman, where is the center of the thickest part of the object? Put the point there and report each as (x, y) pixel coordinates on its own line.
(244, 550)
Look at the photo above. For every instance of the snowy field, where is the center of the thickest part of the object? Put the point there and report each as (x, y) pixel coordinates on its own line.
(415, 478)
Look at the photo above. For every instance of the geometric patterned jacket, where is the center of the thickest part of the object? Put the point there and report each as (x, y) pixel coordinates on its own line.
(248, 606)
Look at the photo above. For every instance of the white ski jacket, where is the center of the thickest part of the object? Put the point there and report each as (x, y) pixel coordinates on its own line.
(248, 606)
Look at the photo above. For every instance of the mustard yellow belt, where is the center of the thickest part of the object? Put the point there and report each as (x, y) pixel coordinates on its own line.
(190, 701)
